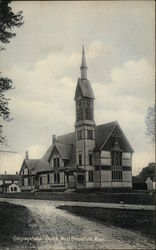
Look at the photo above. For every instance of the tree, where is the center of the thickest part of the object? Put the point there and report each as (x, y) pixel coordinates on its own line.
(148, 171)
(8, 21)
(150, 123)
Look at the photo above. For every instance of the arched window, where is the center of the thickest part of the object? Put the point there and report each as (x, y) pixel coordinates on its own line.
(116, 155)
(116, 159)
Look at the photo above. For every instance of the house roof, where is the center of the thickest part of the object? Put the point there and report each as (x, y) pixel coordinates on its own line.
(32, 163)
(64, 150)
(63, 144)
(47, 154)
(84, 86)
(102, 133)
(42, 166)
(67, 138)
(10, 177)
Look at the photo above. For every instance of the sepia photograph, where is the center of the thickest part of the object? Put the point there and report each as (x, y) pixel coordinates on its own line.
(77, 125)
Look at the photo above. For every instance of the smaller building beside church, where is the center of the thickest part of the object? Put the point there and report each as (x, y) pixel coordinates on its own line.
(91, 157)
(6, 180)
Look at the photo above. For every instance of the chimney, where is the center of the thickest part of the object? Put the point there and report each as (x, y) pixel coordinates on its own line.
(53, 139)
(16, 173)
(26, 155)
(5, 172)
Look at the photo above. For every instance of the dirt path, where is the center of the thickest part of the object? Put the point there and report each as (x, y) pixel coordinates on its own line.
(59, 229)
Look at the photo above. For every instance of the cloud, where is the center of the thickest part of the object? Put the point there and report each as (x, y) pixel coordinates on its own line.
(42, 103)
(134, 78)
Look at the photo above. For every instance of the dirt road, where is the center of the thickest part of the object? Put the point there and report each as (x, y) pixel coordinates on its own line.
(58, 229)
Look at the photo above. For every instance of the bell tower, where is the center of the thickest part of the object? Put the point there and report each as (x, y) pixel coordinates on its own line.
(85, 124)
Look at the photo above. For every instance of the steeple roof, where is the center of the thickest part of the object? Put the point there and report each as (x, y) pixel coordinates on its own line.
(83, 61)
(84, 89)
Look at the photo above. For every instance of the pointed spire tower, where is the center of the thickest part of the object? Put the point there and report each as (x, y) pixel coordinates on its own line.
(85, 124)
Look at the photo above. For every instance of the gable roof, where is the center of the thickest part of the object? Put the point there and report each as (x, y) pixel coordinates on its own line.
(84, 86)
(65, 144)
(48, 153)
(103, 133)
(32, 163)
(10, 177)
(42, 166)
(66, 138)
(64, 150)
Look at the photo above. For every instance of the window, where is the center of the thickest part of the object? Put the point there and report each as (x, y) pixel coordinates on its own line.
(79, 135)
(90, 134)
(15, 189)
(116, 132)
(116, 157)
(54, 162)
(79, 111)
(90, 159)
(80, 160)
(116, 175)
(29, 181)
(56, 177)
(58, 162)
(48, 178)
(22, 181)
(12, 189)
(80, 179)
(90, 176)
(40, 180)
(33, 181)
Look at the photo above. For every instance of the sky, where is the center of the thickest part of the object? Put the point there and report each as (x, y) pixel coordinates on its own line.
(43, 60)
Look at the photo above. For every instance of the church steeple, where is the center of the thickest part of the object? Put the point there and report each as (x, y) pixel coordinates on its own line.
(83, 65)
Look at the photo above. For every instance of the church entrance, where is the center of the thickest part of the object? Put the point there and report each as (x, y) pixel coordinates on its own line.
(80, 179)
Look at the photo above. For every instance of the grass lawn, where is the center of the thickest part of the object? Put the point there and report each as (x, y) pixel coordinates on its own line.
(15, 222)
(142, 221)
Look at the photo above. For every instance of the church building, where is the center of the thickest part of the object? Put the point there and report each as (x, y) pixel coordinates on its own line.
(91, 157)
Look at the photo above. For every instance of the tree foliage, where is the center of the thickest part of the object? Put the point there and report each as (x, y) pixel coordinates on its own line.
(148, 171)
(8, 21)
(150, 123)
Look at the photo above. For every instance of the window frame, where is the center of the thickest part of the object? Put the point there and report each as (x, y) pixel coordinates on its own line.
(80, 159)
(117, 175)
(41, 183)
(57, 178)
(90, 159)
(90, 176)
(90, 134)
(79, 134)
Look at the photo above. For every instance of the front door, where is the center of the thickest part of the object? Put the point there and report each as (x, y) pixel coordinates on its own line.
(71, 180)
(80, 180)
(36, 182)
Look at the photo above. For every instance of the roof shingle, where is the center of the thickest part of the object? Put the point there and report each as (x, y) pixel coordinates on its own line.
(85, 88)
